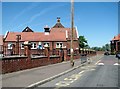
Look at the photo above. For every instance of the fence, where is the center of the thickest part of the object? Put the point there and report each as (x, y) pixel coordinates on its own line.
(38, 52)
(6, 51)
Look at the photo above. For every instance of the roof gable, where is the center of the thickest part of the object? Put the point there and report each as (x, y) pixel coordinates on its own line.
(116, 37)
(58, 24)
(27, 29)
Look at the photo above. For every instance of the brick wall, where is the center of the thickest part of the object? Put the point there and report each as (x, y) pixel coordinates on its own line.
(20, 63)
(16, 63)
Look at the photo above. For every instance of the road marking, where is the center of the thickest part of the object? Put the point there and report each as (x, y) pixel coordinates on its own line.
(81, 72)
(69, 80)
(97, 62)
(92, 69)
(62, 83)
(100, 64)
(116, 64)
(75, 76)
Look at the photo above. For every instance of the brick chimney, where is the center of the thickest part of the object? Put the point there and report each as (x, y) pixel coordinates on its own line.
(58, 19)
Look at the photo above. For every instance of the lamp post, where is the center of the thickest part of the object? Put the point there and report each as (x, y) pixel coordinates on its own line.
(72, 27)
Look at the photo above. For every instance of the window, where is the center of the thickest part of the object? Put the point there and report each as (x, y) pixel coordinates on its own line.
(40, 45)
(22, 45)
(34, 45)
(46, 44)
(59, 44)
(9, 45)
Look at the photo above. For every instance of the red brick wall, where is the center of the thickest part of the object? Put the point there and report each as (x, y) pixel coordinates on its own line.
(75, 44)
(16, 64)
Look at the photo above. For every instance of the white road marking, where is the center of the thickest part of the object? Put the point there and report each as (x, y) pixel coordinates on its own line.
(81, 72)
(92, 69)
(116, 64)
(97, 62)
(100, 64)
(62, 83)
(69, 80)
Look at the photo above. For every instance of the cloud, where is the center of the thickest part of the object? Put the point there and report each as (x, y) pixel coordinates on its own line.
(38, 15)
(24, 11)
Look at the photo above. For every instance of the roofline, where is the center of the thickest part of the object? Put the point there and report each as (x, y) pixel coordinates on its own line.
(38, 41)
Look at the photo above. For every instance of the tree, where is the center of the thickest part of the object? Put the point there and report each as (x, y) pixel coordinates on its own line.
(103, 48)
(82, 42)
(107, 47)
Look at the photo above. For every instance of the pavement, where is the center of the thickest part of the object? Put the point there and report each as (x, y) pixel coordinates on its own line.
(40, 75)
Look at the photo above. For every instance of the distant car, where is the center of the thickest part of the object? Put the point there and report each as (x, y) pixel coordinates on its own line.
(107, 53)
(118, 55)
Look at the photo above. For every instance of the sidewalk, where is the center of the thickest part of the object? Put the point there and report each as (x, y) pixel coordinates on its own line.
(27, 77)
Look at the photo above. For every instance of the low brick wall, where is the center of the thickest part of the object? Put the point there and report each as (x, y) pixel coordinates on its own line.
(16, 64)
(100, 52)
(74, 57)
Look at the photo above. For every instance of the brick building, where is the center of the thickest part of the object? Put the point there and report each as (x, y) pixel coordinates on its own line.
(115, 43)
(54, 38)
(1, 43)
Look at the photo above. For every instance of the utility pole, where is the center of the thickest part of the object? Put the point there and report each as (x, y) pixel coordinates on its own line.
(72, 27)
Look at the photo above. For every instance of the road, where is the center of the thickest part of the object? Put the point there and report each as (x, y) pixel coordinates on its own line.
(103, 73)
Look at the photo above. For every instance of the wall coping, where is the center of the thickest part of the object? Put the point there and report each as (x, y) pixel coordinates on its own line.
(13, 57)
(37, 57)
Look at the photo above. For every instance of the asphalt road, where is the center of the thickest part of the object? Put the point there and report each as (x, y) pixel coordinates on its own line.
(103, 73)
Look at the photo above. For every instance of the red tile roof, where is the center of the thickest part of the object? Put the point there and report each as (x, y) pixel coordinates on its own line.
(57, 33)
(36, 36)
(116, 37)
(63, 30)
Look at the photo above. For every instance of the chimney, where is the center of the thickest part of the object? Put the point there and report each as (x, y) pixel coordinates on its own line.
(46, 30)
(58, 19)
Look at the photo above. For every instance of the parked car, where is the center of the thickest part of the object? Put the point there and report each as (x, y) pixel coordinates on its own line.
(107, 53)
(118, 55)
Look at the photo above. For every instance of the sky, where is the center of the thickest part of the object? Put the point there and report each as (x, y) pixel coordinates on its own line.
(97, 21)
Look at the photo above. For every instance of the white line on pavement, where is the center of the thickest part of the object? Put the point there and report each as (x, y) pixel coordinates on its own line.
(81, 72)
(97, 62)
(116, 64)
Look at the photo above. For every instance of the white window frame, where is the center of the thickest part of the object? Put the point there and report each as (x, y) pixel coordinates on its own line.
(22, 45)
(33, 45)
(10, 45)
(46, 43)
(59, 46)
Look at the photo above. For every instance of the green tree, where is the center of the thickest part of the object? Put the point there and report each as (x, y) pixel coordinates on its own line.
(82, 42)
(107, 46)
(97, 48)
(103, 48)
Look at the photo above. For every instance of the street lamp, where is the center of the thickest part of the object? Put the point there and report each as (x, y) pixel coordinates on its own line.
(72, 27)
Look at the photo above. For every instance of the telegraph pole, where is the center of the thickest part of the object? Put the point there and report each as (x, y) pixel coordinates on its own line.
(72, 27)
